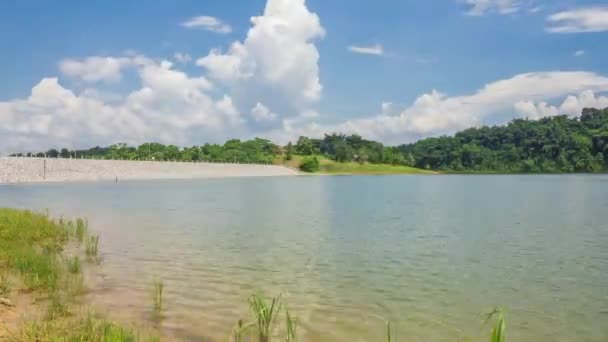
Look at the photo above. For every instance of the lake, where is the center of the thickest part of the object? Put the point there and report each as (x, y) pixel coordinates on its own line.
(433, 254)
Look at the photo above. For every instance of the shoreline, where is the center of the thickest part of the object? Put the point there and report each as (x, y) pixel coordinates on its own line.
(17, 170)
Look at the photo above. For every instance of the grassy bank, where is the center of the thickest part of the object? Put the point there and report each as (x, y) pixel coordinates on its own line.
(328, 166)
(33, 263)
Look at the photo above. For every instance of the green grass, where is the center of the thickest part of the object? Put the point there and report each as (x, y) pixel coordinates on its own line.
(5, 284)
(157, 297)
(31, 245)
(352, 168)
(265, 314)
(92, 247)
(73, 264)
(87, 327)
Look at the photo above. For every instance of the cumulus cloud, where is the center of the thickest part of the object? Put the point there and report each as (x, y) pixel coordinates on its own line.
(277, 63)
(482, 7)
(586, 19)
(572, 105)
(262, 113)
(95, 68)
(436, 113)
(579, 53)
(208, 23)
(170, 106)
(376, 50)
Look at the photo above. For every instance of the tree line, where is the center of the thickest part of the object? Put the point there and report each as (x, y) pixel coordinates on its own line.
(552, 144)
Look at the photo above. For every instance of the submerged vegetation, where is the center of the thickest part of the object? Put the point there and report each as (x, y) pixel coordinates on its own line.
(557, 144)
(31, 246)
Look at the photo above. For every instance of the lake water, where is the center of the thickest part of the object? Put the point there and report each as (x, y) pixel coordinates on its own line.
(431, 253)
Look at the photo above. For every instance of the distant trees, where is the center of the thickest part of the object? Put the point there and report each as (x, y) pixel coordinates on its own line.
(553, 144)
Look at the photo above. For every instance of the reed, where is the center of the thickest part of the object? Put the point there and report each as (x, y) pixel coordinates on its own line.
(73, 264)
(81, 230)
(499, 327)
(291, 325)
(157, 296)
(265, 314)
(91, 247)
(390, 335)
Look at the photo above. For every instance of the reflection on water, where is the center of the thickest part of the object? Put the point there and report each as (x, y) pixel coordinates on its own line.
(432, 254)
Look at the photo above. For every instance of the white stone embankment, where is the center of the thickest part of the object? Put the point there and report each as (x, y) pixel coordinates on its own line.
(31, 170)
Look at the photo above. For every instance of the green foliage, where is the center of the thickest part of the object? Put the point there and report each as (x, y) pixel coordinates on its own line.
(555, 145)
(73, 264)
(81, 229)
(499, 327)
(265, 314)
(87, 328)
(290, 324)
(310, 164)
(390, 335)
(5, 285)
(92, 247)
(157, 296)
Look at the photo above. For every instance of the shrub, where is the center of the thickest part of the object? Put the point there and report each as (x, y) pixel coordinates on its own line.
(309, 164)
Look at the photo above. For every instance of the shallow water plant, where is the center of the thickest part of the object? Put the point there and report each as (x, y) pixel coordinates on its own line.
(81, 230)
(73, 264)
(498, 330)
(265, 314)
(91, 247)
(390, 336)
(291, 325)
(157, 296)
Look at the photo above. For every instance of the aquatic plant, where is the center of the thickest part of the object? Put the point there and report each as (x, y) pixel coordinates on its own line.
(265, 314)
(290, 323)
(81, 229)
(91, 247)
(498, 330)
(390, 337)
(73, 264)
(157, 296)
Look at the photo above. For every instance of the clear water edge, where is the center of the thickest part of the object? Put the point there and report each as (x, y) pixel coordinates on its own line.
(432, 254)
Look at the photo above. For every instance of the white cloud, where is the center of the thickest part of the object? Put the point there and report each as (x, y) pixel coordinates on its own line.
(482, 7)
(572, 105)
(170, 107)
(208, 23)
(182, 57)
(435, 113)
(376, 50)
(586, 19)
(262, 113)
(277, 63)
(579, 53)
(95, 68)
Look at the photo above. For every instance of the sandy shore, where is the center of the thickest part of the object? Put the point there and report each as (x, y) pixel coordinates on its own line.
(28, 170)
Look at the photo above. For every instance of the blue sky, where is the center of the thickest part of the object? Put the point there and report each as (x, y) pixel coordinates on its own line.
(82, 73)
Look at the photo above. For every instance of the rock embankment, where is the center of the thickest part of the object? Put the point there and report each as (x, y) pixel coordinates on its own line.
(27, 170)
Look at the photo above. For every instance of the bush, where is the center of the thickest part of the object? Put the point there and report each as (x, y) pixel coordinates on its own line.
(309, 164)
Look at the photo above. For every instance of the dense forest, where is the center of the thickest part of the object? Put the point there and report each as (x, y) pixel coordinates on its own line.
(552, 144)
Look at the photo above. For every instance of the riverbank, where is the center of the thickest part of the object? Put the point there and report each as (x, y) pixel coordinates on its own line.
(331, 167)
(34, 170)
